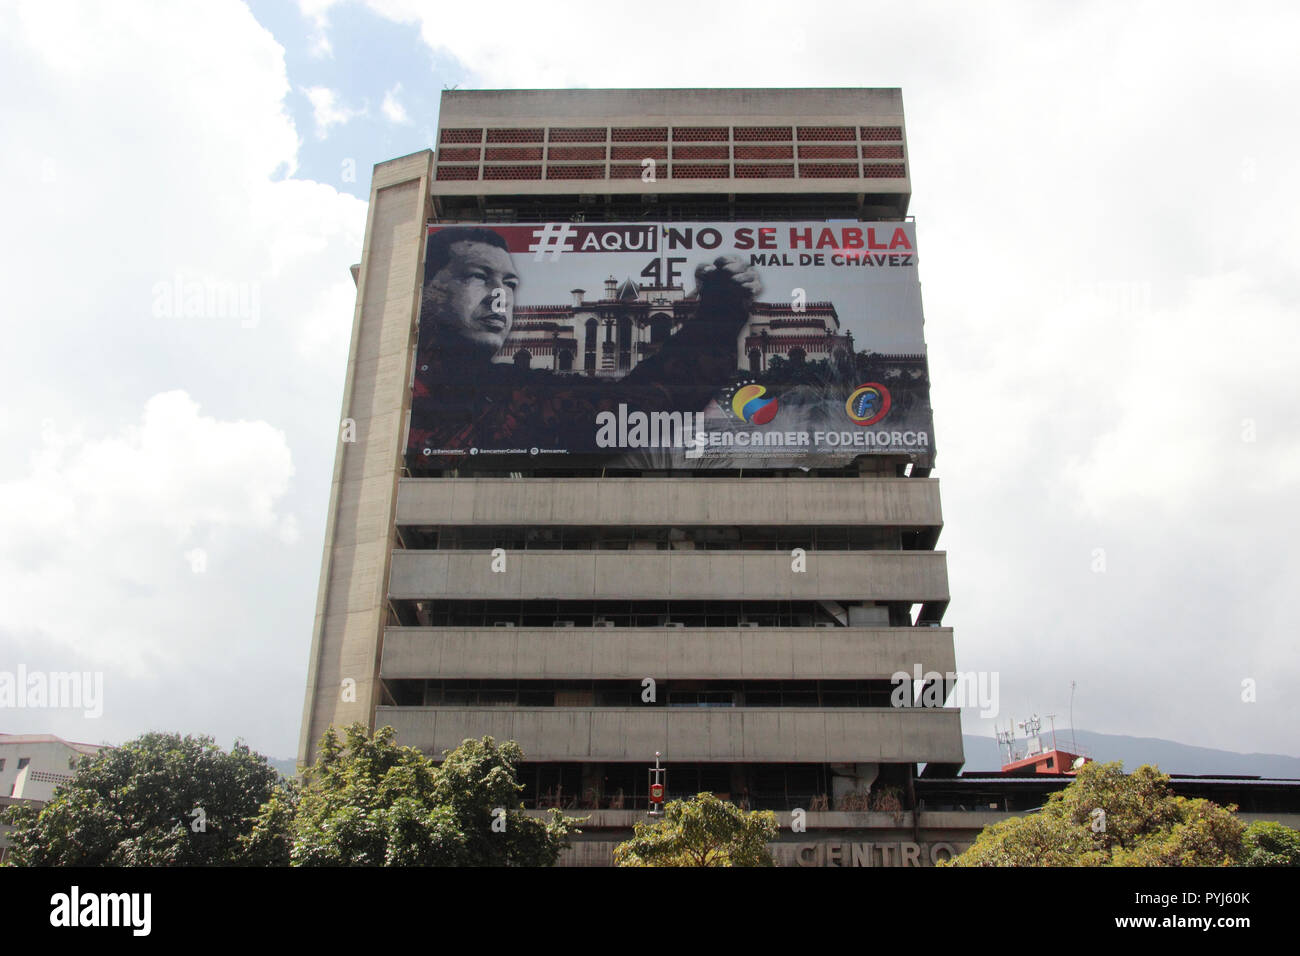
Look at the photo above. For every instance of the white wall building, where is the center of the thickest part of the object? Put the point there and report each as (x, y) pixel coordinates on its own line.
(32, 765)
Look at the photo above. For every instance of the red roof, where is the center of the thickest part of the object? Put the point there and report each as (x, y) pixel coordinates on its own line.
(1047, 762)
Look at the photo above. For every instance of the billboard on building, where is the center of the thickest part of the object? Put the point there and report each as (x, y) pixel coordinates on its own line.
(670, 345)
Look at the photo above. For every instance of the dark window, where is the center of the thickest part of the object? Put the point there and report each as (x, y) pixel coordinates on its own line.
(589, 346)
(624, 342)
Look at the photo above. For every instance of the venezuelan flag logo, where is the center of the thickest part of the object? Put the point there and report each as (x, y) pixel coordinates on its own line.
(751, 407)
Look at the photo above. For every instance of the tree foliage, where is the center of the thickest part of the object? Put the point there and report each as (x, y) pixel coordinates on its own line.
(702, 831)
(1267, 843)
(368, 802)
(1144, 824)
(135, 805)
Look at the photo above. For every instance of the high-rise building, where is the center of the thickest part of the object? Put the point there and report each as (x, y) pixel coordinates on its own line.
(636, 459)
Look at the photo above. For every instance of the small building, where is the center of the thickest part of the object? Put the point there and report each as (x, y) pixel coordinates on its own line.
(32, 765)
(1048, 761)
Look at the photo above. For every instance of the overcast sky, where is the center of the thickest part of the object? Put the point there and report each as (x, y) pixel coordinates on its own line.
(1107, 209)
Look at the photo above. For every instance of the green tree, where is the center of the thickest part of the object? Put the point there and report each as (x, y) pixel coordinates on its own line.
(1141, 823)
(135, 805)
(1039, 839)
(369, 802)
(702, 831)
(1267, 843)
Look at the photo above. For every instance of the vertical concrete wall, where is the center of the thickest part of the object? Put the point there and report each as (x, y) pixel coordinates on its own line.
(350, 605)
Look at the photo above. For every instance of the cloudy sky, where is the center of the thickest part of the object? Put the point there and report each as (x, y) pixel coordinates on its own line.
(1107, 209)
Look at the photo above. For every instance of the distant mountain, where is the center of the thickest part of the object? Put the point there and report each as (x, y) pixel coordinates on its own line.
(982, 753)
(288, 766)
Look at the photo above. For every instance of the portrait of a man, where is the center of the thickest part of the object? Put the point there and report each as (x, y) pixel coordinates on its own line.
(467, 307)
(464, 399)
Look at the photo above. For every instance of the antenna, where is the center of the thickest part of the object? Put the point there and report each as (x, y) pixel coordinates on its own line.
(1074, 743)
(1031, 726)
(1007, 738)
(1052, 719)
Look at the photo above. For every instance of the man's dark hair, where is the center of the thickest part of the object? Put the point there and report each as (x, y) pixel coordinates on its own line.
(440, 244)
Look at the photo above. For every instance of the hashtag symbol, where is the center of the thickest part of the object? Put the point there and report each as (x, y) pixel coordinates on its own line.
(553, 238)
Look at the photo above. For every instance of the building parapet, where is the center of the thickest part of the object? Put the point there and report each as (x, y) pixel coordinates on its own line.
(841, 735)
(912, 502)
(596, 653)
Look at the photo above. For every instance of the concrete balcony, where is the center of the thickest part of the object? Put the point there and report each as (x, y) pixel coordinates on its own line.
(905, 576)
(907, 502)
(758, 734)
(733, 653)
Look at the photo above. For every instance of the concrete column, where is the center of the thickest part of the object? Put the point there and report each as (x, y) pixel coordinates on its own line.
(351, 604)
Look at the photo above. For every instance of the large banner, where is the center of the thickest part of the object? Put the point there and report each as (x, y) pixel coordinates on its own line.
(670, 345)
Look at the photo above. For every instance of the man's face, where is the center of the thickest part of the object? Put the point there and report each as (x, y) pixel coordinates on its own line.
(473, 297)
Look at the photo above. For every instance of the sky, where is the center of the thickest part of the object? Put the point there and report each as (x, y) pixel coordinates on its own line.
(1106, 207)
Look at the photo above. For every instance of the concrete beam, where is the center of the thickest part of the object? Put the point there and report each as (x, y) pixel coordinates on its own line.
(906, 502)
(912, 576)
(749, 734)
(736, 653)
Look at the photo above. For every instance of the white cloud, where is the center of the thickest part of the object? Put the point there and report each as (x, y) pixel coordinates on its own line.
(392, 109)
(135, 508)
(177, 440)
(317, 12)
(326, 109)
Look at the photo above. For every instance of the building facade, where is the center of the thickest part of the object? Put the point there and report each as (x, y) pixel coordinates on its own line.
(653, 609)
(33, 765)
(631, 321)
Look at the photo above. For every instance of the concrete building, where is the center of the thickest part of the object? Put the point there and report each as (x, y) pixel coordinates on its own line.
(32, 765)
(772, 688)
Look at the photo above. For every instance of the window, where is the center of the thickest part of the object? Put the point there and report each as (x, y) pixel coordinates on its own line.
(696, 698)
(624, 342)
(22, 764)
